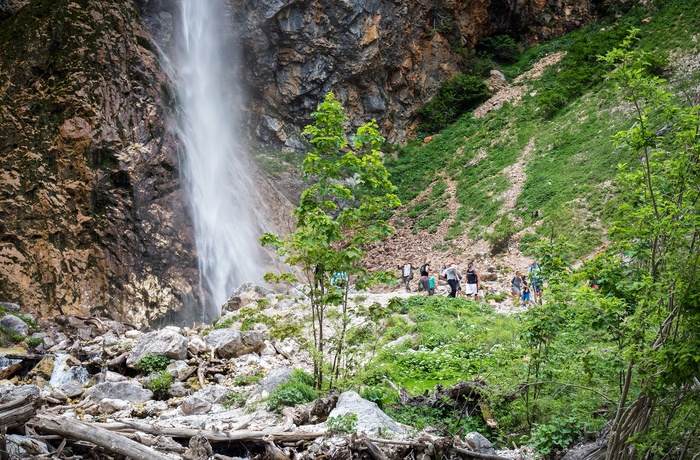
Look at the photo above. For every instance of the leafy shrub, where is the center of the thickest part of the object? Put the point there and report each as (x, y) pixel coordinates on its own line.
(559, 433)
(150, 364)
(245, 380)
(161, 384)
(502, 47)
(297, 390)
(226, 323)
(454, 98)
(33, 341)
(346, 423)
(236, 399)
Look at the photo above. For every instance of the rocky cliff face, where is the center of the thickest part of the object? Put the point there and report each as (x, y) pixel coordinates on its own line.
(92, 216)
(383, 58)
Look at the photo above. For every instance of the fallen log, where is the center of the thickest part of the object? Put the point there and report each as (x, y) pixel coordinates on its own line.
(471, 453)
(106, 439)
(8, 372)
(16, 413)
(213, 436)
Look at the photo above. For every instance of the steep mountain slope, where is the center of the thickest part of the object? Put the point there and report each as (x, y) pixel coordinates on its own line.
(491, 188)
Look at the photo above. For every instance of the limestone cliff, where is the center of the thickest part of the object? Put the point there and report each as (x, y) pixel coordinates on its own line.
(92, 216)
(383, 58)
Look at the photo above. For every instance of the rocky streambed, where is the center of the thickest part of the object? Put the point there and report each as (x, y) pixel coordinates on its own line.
(83, 387)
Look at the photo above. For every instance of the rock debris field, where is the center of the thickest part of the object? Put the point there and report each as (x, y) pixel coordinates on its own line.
(81, 390)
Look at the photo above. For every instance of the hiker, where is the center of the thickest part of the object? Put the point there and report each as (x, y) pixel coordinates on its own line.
(407, 275)
(473, 281)
(424, 281)
(535, 282)
(452, 274)
(431, 284)
(525, 296)
(515, 285)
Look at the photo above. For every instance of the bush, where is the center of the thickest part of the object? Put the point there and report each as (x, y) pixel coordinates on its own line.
(151, 364)
(297, 390)
(502, 47)
(33, 341)
(346, 423)
(161, 384)
(454, 98)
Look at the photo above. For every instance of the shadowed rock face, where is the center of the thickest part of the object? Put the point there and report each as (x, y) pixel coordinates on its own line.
(383, 58)
(92, 215)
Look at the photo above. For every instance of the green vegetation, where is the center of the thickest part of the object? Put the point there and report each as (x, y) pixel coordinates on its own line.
(454, 98)
(343, 423)
(350, 189)
(33, 341)
(160, 384)
(297, 390)
(150, 364)
(561, 132)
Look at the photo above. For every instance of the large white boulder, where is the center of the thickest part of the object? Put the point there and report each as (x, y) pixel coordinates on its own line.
(370, 418)
(128, 390)
(166, 342)
(229, 343)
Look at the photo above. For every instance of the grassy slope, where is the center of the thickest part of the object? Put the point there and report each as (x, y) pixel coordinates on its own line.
(568, 192)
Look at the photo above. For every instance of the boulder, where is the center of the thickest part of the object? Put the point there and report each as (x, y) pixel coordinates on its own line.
(14, 324)
(228, 343)
(166, 342)
(9, 306)
(10, 393)
(128, 390)
(479, 443)
(245, 294)
(370, 418)
(110, 406)
(196, 345)
(274, 378)
(178, 369)
(71, 389)
(202, 401)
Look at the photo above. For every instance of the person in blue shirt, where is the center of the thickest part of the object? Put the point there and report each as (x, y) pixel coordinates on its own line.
(535, 282)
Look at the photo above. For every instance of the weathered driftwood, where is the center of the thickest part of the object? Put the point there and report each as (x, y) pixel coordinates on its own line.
(213, 436)
(8, 372)
(93, 434)
(16, 413)
(471, 453)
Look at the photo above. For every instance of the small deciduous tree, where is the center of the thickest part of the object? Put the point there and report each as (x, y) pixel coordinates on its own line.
(338, 215)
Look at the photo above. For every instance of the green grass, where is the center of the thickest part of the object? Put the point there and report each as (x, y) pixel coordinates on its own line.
(569, 192)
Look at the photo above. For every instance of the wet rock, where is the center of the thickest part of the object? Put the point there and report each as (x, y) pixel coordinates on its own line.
(14, 324)
(165, 342)
(228, 343)
(199, 449)
(127, 390)
(370, 418)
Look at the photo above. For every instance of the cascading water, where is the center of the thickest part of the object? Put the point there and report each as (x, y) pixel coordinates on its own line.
(217, 170)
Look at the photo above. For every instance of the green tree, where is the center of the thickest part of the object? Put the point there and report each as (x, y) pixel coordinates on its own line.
(338, 215)
(656, 249)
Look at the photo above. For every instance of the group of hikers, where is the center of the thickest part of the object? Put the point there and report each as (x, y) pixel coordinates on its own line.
(521, 290)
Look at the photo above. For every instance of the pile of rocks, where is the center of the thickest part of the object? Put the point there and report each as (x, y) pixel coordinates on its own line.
(81, 384)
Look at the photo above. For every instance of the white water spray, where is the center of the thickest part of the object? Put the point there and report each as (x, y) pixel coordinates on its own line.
(217, 171)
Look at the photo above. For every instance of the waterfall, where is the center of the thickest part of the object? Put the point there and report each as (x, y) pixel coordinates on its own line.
(217, 171)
